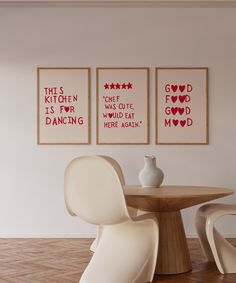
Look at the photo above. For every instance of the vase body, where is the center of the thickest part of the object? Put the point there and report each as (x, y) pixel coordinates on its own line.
(150, 175)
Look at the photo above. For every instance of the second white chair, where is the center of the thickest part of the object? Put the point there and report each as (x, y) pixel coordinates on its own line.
(216, 248)
(127, 250)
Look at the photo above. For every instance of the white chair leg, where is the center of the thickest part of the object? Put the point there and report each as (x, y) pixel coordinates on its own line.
(200, 223)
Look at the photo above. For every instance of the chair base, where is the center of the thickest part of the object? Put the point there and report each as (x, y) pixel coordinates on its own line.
(213, 243)
(126, 253)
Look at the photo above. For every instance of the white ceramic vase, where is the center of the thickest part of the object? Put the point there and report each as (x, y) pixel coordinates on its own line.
(150, 175)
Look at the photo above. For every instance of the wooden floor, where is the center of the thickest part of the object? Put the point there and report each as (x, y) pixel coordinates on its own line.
(63, 261)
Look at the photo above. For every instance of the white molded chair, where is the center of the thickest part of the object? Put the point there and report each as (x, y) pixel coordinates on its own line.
(216, 248)
(127, 250)
(134, 212)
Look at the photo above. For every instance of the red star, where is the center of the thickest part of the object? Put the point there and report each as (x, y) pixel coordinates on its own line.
(112, 86)
(106, 86)
(117, 86)
(123, 86)
(130, 86)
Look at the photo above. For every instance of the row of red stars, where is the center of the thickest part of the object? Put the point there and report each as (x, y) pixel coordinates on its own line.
(118, 86)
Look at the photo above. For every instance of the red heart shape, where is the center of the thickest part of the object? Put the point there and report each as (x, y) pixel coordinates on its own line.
(182, 88)
(181, 110)
(110, 115)
(67, 108)
(182, 98)
(174, 98)
(175, 122)
(174, 110)
(182, 123)
(174, 88)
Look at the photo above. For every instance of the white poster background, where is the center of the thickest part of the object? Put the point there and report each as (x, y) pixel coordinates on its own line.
(66, 90)
(129, 106)
(189, 127)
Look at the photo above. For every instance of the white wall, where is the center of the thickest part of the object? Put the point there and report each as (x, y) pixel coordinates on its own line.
(31, 176)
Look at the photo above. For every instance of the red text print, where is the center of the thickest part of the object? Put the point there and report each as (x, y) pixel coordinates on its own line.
(114, 98)
(174, 88)
(174, 110)
(60, 120)
(60, 98)
(177, 110)
(178, 88)
(60, 107)
(118, 106)
(175, 122)
(70, 109)
(122, 124)
(181, 110)
(53, 90)
(174, 98)
(182, 98)
(178, 105)
(182, 88)
(117, 85)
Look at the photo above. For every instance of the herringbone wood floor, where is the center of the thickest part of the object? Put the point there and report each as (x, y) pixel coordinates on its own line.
(63, 261)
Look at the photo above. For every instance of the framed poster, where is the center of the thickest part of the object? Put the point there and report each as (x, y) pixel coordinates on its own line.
(63, 105)
(181, 105)
(122, 105)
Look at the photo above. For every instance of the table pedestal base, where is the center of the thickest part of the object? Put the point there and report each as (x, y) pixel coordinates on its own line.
(173, 254)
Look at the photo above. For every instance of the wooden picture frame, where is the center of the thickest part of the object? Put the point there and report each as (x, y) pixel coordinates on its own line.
(182, 105)
(63, 106)
(122, 106)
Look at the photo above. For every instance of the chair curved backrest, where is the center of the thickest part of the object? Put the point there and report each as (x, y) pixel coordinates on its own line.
(94, 190)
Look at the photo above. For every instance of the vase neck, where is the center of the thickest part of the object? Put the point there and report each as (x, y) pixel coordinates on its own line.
(150, 161)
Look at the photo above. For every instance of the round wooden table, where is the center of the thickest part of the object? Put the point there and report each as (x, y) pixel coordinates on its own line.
(166, 202)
